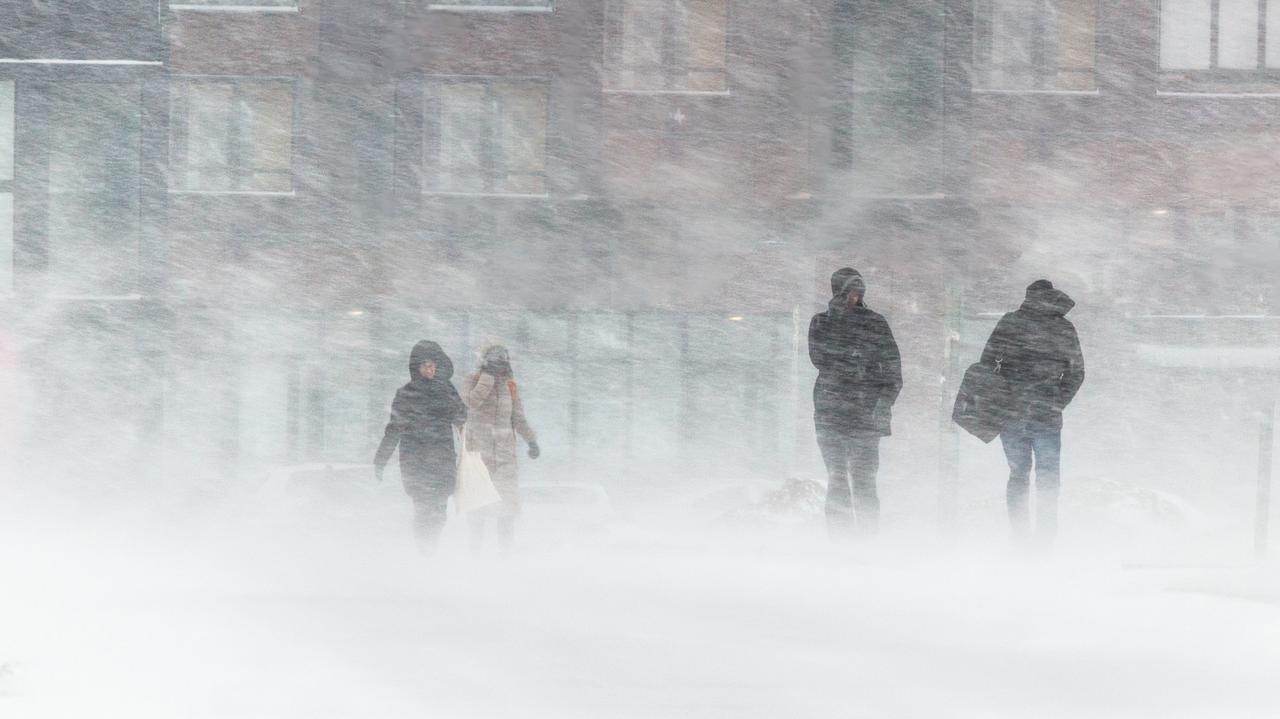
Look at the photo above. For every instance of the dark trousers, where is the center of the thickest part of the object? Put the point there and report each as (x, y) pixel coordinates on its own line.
(428, 518)
(1025, 447)
(852, 459)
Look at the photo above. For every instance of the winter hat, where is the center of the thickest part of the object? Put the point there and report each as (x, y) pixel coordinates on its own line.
(491, 350)
(846, 281)
(428, 351)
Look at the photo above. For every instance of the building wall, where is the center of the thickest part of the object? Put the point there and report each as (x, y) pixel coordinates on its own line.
(839, 132)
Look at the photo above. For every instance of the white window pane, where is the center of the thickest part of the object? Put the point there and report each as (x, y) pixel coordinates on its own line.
(6, 131)
(1076, 21)
(1238, 34)
(1013, 34)
(524, 124)
(209, 117)
(642, 32)
(1273, 34)
(267, 132)
(464, 130)
(6, 243)
(707, 24)
(1184, 34)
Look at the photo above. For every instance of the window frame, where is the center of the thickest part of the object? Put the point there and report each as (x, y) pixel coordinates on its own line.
(1042, 74)
(178, 165)
(7, 185)
(248, 6)
(1214, 74)
(497, 7)
(613, 35)
(8, 269)
(429, 157)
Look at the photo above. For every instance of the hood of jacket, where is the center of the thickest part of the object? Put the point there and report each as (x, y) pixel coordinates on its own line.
(844, 282)
(428, 351)
(1044, 299)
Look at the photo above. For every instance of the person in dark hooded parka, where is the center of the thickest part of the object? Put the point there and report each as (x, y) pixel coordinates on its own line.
(859, 378)
(424, 414)
(1038, 352)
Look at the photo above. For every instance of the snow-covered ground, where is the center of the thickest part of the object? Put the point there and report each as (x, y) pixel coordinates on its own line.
(239, 613)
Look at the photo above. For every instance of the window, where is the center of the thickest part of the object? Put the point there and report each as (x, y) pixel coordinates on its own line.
(1035, 44)
(890, 62)
(485, 136)
(6, 186)
(666, 45)
(1237, 37)
(95, 140)
(231, 135)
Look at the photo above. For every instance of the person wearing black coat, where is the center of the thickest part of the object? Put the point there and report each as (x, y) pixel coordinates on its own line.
(859, 378)
(1037, 351)
(423, 416)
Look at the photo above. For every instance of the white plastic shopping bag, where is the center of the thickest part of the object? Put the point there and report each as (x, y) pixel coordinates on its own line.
(475, 488)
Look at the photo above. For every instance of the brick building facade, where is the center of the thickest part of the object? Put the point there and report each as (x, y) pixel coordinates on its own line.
(237, 219)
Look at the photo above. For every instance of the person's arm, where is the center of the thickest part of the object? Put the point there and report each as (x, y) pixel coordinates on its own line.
(1073, 377)
(459, 407)
(521, 423)
(477, 388)
(817, 343)
(890, 365)
(396, 426)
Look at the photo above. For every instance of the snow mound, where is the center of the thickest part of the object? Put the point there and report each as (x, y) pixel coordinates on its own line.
(797, 501)
(1128, 506)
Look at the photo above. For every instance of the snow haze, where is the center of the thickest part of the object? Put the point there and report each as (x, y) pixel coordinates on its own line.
(224, 225)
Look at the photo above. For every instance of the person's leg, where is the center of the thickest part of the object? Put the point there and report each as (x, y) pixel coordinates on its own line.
(839, 508)
(1048, 451)
(864, 464)
(506, 482)
(1017, 450)
(428, 521)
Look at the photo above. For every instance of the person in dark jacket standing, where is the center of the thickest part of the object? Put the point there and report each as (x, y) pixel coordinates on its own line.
(859, 378)
(1038, 352)
(423, 416)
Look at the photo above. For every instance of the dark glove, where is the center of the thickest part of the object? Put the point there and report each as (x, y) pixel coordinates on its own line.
(534, 452)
